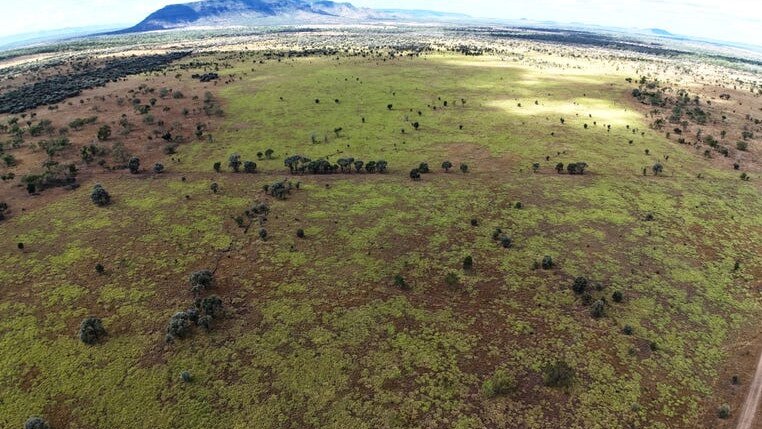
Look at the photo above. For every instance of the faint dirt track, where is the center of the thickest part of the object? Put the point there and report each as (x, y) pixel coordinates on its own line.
(749, 410)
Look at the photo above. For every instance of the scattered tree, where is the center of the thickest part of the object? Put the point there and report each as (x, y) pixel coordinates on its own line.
(249, 167)
(201, 281)
(134, 165)
(104, 133)
(158, 168)
(547, 262)
(99, 196)
(35, 422)
(501, 383)
(468, 263)
(579, 285)
(451, 279)
(400, 282)
(234, 162)
(724, 411)
(657, 169)
(91, 330)
(179, 326)
(576, 168)
(558, 374)
(598, 309)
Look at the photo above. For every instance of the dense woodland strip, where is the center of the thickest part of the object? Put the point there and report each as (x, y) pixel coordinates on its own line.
(55, 89)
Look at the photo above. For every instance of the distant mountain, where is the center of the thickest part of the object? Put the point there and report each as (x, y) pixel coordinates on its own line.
(660, 32)
(217, 13)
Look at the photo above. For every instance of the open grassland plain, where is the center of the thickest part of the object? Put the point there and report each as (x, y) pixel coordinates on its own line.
(371, 320)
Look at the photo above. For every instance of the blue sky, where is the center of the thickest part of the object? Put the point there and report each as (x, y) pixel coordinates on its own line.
(730, 20)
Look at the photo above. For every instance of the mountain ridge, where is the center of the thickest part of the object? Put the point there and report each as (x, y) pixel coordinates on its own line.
(253, 12)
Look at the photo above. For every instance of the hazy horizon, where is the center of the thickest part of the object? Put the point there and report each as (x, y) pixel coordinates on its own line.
(696, 18)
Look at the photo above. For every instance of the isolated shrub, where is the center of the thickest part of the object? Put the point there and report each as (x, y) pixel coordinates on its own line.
(269, 153)
(91, 330)
(547, 262)
(400, 282)
(234, 162)
(3, 209)
(212, 306)
(535, 167)
(201, 280)
(579, 285)
(300, 233)
(415, 174)
(186, 376)
(464, 168)
(158, 168)
(451, 279)
(506, 241)
(423, 168)
(558, 374)
(627, 330)
(214, 187)
(249, 167)
(217, 166)
(745, 177)
(743, 146)
(179, 326)
(724, 411)
(35, 422)
(474, 222)
(468, 262)
(100, 196)
(99, 268)
(518, 205)
(134, 165)
(617, 296)
(598, 309)
(263, 233)
(501, 383)
(447, 165)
